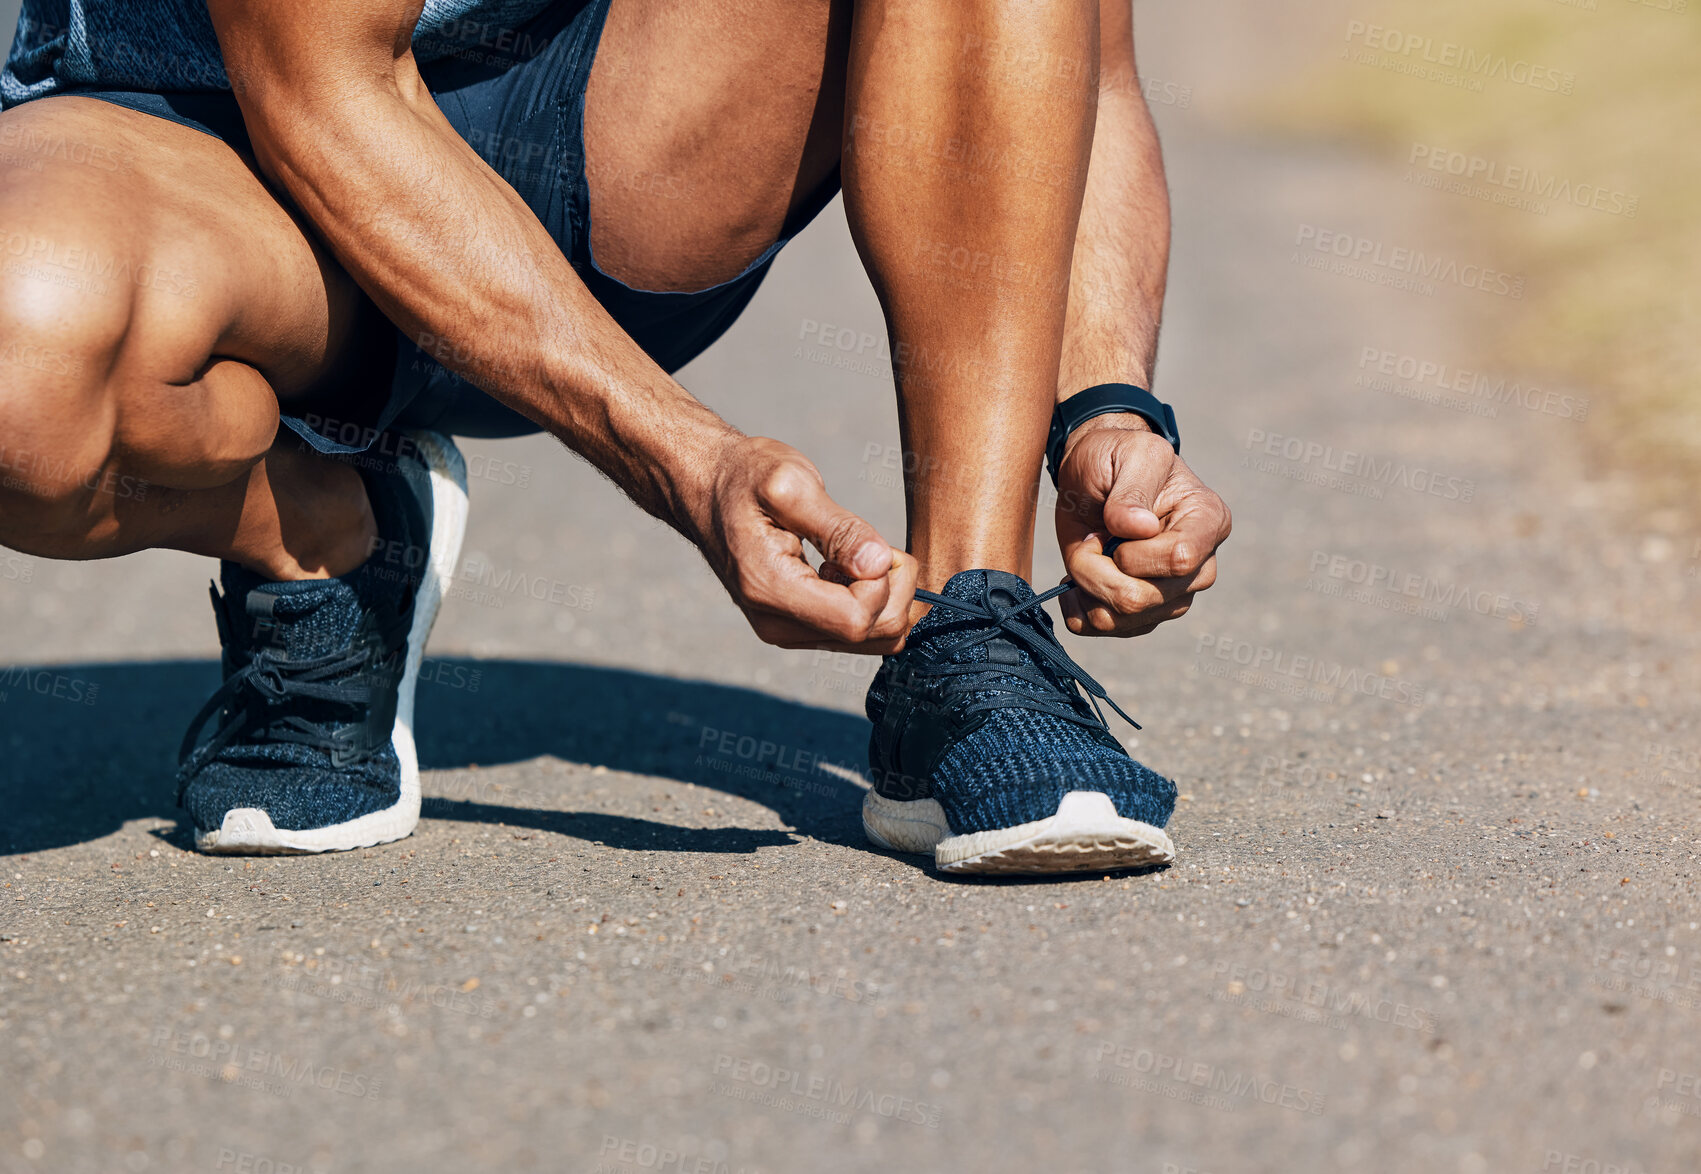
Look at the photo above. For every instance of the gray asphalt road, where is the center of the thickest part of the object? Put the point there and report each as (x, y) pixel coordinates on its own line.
(1434, 907)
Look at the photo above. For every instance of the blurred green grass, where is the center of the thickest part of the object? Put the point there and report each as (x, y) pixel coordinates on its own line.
(1611, 299)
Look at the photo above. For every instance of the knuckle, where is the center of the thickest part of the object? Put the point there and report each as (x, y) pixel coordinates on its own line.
(846, 630)
(1184, 559)
(788, 484)
(1127, 601)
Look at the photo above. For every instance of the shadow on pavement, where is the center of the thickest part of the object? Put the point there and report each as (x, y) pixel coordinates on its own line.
(616, 831)
(86, 747)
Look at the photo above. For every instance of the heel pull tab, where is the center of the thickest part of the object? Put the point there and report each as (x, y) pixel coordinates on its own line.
(262, 609)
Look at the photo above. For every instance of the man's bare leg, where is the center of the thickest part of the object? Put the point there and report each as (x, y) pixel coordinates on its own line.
(747, 127)
(964, 172)
(145, 416)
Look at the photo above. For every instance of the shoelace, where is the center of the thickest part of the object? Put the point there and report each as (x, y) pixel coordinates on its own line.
(262, 693)
(1012, 623)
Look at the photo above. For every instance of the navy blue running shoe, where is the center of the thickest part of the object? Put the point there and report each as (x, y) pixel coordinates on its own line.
(986, 754)
(313, 749)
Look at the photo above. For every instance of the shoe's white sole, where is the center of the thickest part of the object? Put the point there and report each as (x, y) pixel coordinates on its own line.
(249, 831)
(1085, 835)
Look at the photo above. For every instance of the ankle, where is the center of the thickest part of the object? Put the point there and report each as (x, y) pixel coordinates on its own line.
(325, 524)
(939, 565)
(937, 569)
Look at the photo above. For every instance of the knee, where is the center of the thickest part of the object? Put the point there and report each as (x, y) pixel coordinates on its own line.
(58, 345)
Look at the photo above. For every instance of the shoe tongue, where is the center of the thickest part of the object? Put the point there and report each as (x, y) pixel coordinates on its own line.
(943, 627)
(307, 618)
(1006, 590)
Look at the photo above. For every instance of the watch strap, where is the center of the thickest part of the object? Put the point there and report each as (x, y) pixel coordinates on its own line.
(1102, 400)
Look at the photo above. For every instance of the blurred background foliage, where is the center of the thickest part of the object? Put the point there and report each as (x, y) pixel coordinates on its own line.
(1611, 302)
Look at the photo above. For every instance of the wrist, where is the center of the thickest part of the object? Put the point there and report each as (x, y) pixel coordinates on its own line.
(649, 435)
(1118, 407)
(682, 452)
(692, 473)
(1073, 382)
(1109, 422)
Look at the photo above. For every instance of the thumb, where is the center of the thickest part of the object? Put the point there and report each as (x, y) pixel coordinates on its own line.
(1130, 508)
(801, 505)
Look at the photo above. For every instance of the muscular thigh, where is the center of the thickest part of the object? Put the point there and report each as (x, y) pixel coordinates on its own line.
(707, 123)
(159, 247)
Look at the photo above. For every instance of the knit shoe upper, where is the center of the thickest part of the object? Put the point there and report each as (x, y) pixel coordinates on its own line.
(304, 718)
(983, 712)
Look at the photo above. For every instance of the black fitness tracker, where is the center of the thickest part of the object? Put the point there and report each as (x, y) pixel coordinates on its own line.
(1098, 401)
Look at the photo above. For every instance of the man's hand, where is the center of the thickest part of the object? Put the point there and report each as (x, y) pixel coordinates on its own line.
(766, 498)
(1121, 481)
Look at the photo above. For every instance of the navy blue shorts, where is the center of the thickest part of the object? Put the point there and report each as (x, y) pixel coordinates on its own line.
(521, 106)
